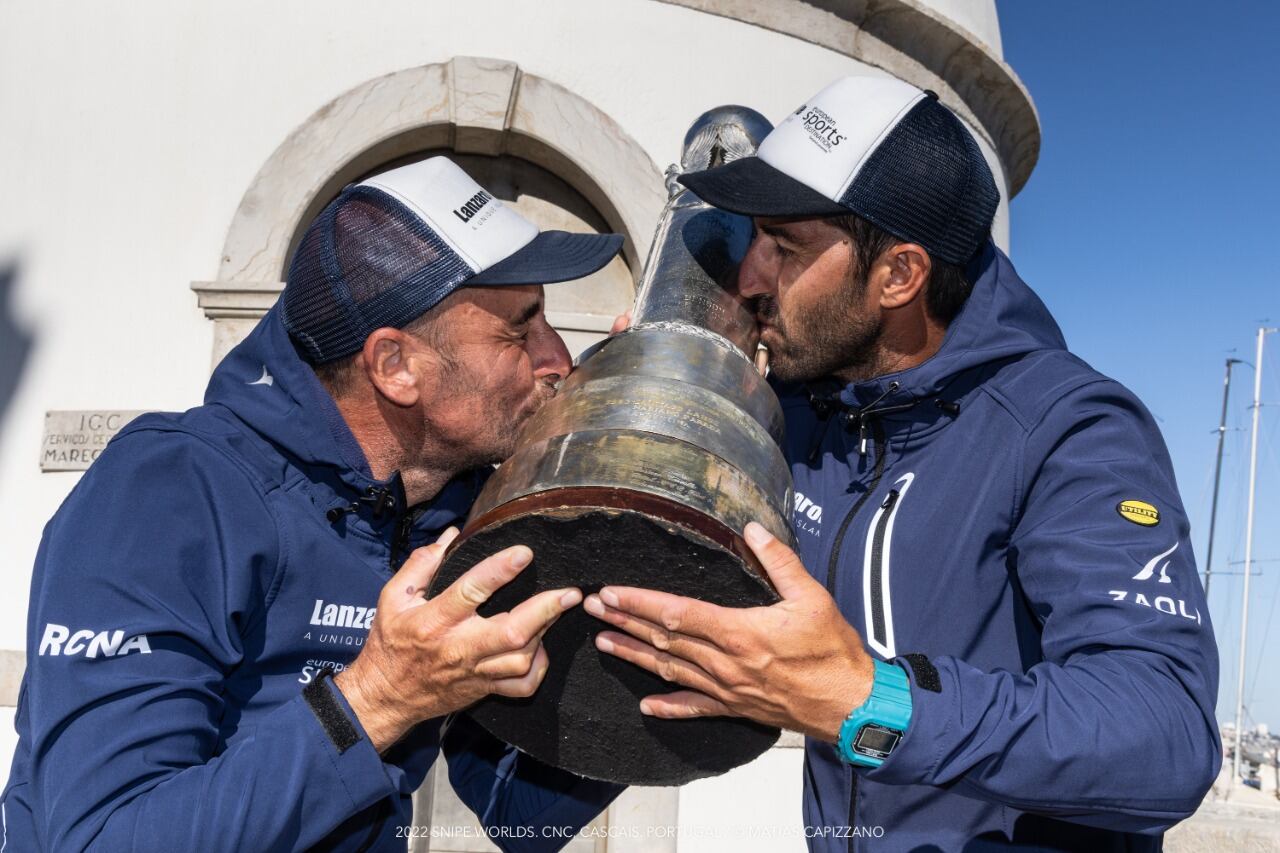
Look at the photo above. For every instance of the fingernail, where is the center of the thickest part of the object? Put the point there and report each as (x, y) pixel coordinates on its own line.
(521, 557)
(756, 534)
(645, 708)
(570, 598)
(603, 643)
(593, 606)
(449, 534)
(609, 597)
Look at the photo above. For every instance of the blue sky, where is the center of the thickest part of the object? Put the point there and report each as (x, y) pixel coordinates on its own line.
(1150, 228)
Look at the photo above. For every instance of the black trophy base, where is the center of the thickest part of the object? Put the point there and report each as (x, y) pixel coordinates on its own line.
(585, 717)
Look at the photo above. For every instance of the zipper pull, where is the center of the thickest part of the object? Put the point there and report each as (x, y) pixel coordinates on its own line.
(822, 406)
(947, 408)
(381, 500)
(890, 499)
(337, 512)
(862, 436)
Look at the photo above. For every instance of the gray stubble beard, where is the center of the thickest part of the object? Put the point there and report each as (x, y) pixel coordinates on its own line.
(823, 343)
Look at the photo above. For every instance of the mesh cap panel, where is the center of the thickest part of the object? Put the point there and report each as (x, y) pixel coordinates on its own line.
(928, 183)
(365, 263)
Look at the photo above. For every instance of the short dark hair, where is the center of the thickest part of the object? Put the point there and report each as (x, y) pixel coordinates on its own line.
(945, 292)
(338, 376)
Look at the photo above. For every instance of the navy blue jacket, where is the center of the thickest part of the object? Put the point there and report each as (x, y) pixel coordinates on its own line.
(183, 595)
(1063, 669)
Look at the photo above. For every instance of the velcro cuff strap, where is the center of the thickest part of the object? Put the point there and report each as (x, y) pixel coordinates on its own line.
(925, 672)
(337, 725)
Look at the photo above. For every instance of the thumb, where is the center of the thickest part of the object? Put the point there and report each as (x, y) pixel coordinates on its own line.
(780, 563)
(408, 587)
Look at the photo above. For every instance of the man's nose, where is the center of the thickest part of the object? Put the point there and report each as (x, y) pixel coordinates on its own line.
(758, 275)
(550, 356)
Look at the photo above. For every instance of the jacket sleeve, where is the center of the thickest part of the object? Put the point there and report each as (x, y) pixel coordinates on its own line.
(1115, 726)
(524, 804)
(147, 590)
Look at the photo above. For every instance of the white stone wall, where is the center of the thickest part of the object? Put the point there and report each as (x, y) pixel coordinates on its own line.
(978, 17)
(130, 133)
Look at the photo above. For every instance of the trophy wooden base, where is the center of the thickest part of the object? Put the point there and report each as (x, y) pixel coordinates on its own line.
(585, 717)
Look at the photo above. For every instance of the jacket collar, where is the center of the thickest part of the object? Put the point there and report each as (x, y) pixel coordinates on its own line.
(267, 385)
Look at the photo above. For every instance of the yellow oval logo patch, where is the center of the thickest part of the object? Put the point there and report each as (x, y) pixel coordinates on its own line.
(1139, 512)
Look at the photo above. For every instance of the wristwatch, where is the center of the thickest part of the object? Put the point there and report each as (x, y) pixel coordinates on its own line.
(873, 729)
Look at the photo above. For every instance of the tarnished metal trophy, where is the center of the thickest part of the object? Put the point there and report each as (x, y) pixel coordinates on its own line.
(643, 471)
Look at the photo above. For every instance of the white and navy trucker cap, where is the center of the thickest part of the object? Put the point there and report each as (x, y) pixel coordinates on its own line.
(391, 247)
(873, 146)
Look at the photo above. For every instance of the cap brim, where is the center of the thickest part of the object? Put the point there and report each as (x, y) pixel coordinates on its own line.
(551, 257)
(752, 187)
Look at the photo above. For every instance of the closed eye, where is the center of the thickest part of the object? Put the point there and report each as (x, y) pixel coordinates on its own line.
(528, 314)
(522, 324)
(778, 235)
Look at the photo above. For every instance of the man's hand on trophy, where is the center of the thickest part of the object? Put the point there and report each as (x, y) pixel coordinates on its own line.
(796, 664)
(427, 658)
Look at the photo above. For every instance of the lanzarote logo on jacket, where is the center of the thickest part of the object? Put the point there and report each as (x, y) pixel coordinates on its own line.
(808, 515)
(328, 614)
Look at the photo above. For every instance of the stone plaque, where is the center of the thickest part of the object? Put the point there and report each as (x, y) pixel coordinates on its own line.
(73, 439)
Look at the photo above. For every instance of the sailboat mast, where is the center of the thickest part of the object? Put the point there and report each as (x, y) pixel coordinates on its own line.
(1217, 476)
(1248, 554)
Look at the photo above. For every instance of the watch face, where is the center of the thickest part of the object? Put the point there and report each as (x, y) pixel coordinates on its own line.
(876, 741)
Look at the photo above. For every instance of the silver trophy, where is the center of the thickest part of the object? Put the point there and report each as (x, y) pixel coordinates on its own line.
(643, 471)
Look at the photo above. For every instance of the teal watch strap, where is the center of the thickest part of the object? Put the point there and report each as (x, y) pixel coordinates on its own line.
(874, 728)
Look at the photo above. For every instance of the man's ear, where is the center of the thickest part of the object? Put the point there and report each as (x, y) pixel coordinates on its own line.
(388, 362)
(907, 267)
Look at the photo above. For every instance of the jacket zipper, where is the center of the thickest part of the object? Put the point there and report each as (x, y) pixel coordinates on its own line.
(878, 447)
(834, 559)
(399, 543)
(404, 529)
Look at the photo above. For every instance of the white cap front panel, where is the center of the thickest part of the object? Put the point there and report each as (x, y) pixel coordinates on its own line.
(479, 227)
(825, 143)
